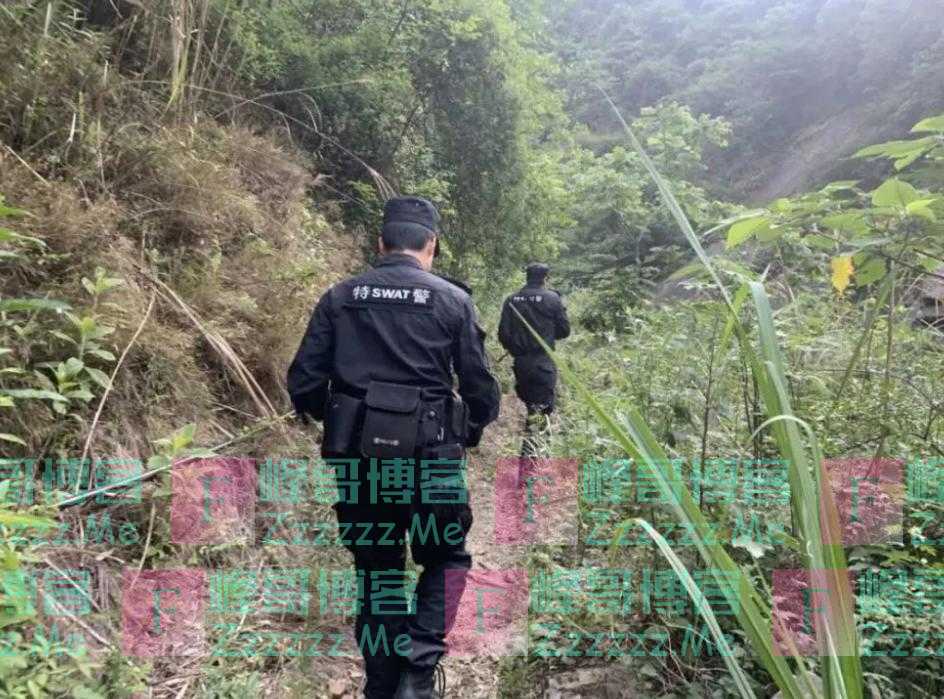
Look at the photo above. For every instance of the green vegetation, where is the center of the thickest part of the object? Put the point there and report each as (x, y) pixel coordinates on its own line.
(181, 178)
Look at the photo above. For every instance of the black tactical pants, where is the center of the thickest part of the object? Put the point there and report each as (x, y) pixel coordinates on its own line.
(378, 524)
(536, 386)
(536, 382)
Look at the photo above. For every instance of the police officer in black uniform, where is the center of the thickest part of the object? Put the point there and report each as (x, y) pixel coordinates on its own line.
(376, 365)
(535, 373)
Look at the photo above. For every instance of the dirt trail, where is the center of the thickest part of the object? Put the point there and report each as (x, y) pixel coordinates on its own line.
(478, 677)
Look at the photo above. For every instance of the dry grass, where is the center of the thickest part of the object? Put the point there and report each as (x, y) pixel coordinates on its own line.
(222, 220)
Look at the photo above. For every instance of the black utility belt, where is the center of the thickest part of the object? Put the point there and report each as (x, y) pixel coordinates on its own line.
(392, 421)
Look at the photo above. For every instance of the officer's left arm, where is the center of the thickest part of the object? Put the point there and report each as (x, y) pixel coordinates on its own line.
(477, 386)
(505, 326)
(561, 321)
(310, 372)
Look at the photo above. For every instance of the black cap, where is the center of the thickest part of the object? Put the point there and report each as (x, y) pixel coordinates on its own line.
(411, 211)
(537, 270)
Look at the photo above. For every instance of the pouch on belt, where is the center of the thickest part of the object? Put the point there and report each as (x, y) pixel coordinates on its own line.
(391, 420)
(343, 415)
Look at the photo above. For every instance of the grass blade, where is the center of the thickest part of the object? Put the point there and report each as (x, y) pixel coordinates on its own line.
(640, 444)
(724, 650)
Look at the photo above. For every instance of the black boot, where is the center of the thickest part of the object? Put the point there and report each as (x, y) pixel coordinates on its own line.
(383, 673)
(417, 684)
(382, 669)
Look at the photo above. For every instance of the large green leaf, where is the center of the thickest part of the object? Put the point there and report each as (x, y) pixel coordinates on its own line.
(897, 149)
(922, 208)
(744, 230)
(98, 376)
(820, 241)
(768, 234)
(850, 222)
(895, 193)
(932, 125)
(870, 272)
(36, 394)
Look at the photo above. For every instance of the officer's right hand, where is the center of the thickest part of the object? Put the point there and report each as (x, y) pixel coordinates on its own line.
(475, 435)
(304, 408)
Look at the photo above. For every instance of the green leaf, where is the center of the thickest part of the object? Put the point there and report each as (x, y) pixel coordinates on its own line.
(909, 159)
(932, 125)
(897, 149)
(931, 264)
(6, 235)
(33, 305)
(108, 283)
(73, 366)
(870, 272)
(768, 234)
(862, 243)
(852, 222)
(86, 325)
(743, 230)
(922, 208)
(83, 692)
(183, 438)
(840, 186)
(100, 331)
(14, 519)
(820, 241)
(98, 376)
(45, 382)
(62, 336)
(895, 193)
(158, 461)
(9, 211)
(33, 393)
(6, 437)
(101, 354)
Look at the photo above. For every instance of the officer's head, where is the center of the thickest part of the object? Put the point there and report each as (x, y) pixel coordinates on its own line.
(537, 273)
(411, 226)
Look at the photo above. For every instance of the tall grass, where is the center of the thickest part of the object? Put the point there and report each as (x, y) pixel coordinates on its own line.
(813, 507)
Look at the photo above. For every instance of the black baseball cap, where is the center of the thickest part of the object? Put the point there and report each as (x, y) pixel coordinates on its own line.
(411, 212)
(537, 270)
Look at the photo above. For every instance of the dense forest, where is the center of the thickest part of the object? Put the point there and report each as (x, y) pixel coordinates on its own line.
(741, 203)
